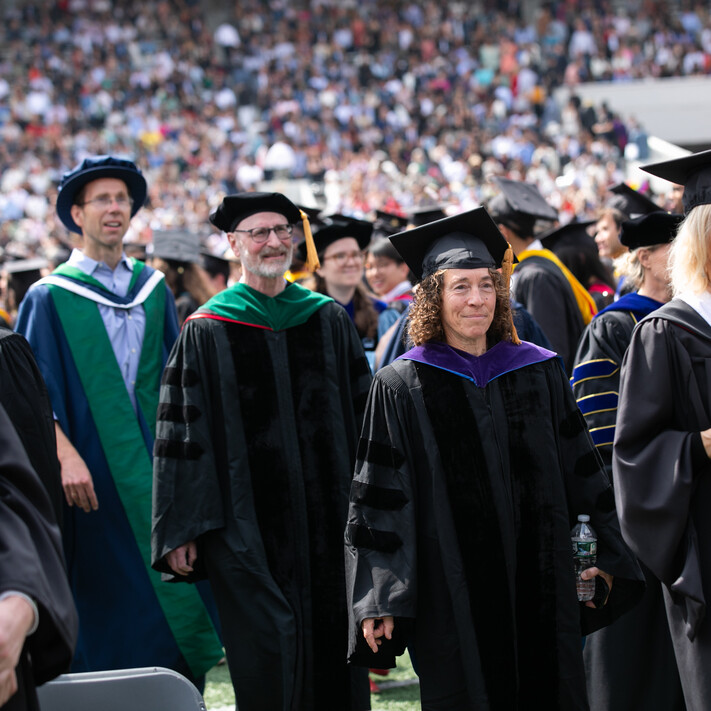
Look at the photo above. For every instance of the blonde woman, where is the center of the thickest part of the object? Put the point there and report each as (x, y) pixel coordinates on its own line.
(663, 435)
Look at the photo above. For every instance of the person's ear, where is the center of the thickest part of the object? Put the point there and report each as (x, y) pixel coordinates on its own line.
(77, 213)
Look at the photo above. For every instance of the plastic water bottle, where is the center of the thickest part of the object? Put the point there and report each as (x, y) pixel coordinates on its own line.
(584, 555)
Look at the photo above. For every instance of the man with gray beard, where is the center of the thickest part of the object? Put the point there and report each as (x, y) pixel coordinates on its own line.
(260, 410)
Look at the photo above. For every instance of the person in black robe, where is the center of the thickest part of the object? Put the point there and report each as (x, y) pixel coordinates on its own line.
(558, 302)
(631, 662)
(662, 441)
(24, 395)
(260, 407)
(473, 465)
(38, 621)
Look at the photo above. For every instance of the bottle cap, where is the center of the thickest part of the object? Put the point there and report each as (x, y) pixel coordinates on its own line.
(583, 518)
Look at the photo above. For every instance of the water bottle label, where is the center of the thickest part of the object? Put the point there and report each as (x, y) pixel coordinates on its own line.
(583, 549)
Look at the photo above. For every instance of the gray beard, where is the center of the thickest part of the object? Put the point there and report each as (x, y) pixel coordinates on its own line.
(267, 271)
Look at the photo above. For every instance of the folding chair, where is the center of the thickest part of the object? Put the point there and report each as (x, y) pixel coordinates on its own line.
(145, 689)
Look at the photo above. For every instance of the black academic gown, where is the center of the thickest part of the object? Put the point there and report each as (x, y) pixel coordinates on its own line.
(31, 562)
(546, 294)
(459, 527)
(662, 477)
(629, 664)
(24, 396)
(257, 431)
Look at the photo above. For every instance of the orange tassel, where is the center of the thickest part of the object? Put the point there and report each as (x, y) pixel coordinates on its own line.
(506, 269)
(312, 262)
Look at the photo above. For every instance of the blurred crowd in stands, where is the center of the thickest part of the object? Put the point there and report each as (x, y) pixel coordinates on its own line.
(378, 105)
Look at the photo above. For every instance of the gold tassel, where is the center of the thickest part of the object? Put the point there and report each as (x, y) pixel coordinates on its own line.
(312, 263)
(506, 269)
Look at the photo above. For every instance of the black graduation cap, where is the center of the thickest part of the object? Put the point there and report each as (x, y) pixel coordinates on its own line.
(630, 202)
(389, 222)
(470, 240)
(693, 172)
(311, 212)
(647, 230)
(22, 273)
(177, 245)
(24, 266)
(519, 206)
(574, 234)
(337, 227)
(235, 208)
(424, 215)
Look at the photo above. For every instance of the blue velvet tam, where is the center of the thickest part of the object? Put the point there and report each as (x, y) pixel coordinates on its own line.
(94, 168)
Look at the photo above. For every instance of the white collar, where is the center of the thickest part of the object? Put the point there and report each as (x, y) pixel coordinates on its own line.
(701, 303)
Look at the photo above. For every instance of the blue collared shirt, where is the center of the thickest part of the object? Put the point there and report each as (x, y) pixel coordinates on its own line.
(124, 327)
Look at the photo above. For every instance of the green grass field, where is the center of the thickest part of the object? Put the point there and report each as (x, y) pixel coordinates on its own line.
(220, 697)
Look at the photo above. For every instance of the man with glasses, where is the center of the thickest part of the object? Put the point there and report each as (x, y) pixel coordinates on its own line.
(261, 407)
(101, 327)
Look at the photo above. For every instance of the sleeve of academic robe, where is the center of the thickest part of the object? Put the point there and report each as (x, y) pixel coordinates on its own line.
(187, 499)
(31, 559)
(354, 372)
(24, 395)
(589, 491)
(38, 322)
(656, 461)
(380, 534)
(596, 380)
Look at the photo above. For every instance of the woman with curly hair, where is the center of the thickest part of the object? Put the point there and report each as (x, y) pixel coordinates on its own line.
(473, 465)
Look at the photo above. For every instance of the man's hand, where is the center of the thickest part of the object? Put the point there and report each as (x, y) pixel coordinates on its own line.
(375, 628)
(16, 618)
(182, 558)
(76, 479)
(593, 573)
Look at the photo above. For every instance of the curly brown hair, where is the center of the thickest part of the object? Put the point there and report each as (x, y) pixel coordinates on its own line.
(425, 316)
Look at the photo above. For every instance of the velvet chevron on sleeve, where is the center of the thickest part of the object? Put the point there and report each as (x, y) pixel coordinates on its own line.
(257, 434)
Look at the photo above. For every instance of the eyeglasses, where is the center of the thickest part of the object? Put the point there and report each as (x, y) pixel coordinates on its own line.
(261, 234)
(340, 258)
(105, 201)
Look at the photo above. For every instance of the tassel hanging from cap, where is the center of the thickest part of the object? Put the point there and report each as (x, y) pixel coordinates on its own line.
(312, 262)
(506, 269)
